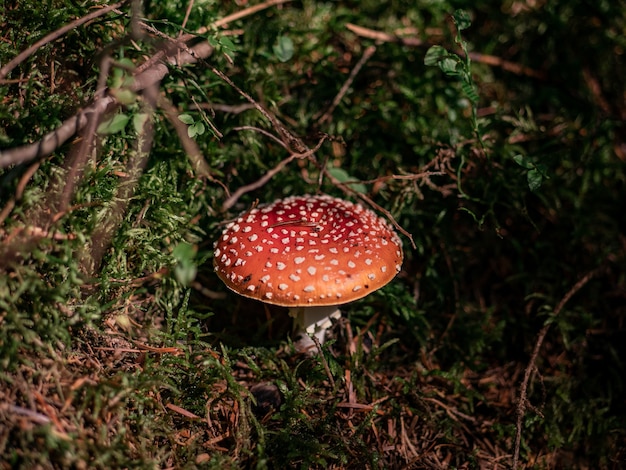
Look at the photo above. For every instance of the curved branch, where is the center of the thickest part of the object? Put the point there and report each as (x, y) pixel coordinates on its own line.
(53, 36)
(522, 402)
(53, 140)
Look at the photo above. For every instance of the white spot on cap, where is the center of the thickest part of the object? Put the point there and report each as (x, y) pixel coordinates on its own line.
(265, 278)
(251, 288)
(294, 278)
(280, 266)
(351, 264)
(299, 260)
(311, 270)
(283, 286)
(309, 289)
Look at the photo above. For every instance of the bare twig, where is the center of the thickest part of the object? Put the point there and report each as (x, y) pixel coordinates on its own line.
(475, 56)
(232, 200)
(381, 36)
(227, 108)
(423, 175)
(137, 161)
(292, 141)
(34, 416)
(243, 13)
(264, 132)
(53, 140)
(323, 360)
(223, 22)
(75, 165)
(199, 163)
(152, 71)
(369, 52)
(187, 13)
(19, 191)
(4, 71)
(347, 189)
(522, 402)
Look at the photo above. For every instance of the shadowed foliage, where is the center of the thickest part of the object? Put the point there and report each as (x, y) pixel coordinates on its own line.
(492, 136)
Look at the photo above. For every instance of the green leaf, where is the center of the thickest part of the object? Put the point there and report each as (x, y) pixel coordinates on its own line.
(126, 63)
(470, 91)
(185, 269)
(462, 19)
(139, 120)
(124, 95)
(196, 129)
(186, 118)
(523, 161)
(283, 49)
(434, 55)
(451, 65)
(343, 176)
(535, 178)
(114, 124)
(227, 43)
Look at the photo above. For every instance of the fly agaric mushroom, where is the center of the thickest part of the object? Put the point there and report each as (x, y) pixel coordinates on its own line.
(308, 253)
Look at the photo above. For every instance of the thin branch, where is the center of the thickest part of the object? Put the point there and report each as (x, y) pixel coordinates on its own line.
(226, 108)
(232, 200)
(152, 71)
(79, 158)
(369, 52)
(410, 177)
(137, 161)
(475, 56)
(223, 22)
(347, 189)
(19, 191)
(523, 403)
(6, 69)
(199, 163)
(323, 360)
(264, 132)
(187, 13)
(381, 36)
(53, 140)
(243, 13)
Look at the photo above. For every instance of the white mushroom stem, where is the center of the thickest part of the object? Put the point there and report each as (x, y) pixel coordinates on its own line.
(313, 321)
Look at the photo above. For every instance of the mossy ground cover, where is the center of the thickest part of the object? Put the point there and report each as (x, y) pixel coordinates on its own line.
(492, 135)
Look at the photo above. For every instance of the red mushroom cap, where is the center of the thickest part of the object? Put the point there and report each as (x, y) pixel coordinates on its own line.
(307, 251)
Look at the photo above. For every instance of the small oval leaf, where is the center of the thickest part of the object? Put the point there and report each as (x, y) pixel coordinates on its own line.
(114, 124)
